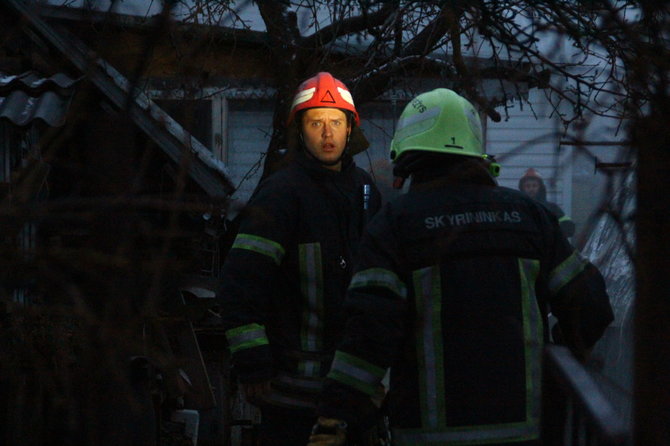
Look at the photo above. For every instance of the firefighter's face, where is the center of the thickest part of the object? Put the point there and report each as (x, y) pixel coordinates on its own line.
(531, 187)
(325, 132)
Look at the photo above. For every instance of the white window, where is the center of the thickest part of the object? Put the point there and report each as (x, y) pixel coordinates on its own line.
(204, 116)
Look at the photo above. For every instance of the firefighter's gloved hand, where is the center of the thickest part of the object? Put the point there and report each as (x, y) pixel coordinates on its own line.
(328, 432)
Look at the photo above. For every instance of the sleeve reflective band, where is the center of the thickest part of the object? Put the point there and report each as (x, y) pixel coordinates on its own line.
(564, 218)
(246, 336)
(565, 272)
(260, 245)
(356, 372)
(379, 277)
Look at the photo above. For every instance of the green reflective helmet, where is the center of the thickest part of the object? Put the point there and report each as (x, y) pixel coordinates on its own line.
(439, 121)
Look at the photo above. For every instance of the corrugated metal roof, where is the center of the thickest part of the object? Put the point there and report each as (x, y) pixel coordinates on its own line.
(27, 97)
(207, 171)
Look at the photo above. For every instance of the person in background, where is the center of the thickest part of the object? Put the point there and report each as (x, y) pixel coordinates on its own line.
(284, 280)
(532, 184)
(452, 291)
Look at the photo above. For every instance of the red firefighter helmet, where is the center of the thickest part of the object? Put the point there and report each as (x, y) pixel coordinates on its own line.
(322, 90)
(531, 173)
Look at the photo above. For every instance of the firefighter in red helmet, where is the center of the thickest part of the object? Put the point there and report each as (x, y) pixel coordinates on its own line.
(284, 280)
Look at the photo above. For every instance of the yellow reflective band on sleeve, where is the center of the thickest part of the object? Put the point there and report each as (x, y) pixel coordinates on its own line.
(565, 272)
(260, 245)
(356, 372)
(379, 277)
(246, 336)
(564, 218)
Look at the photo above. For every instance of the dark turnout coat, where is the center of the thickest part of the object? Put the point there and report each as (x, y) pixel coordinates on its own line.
(452, 291)
(284, 280)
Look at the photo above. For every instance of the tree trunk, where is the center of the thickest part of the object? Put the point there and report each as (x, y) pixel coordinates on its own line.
(652, 328)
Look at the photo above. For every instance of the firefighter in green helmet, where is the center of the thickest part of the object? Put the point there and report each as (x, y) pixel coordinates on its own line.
(452, 291)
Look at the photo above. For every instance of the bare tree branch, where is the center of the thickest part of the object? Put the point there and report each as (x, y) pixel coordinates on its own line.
(427, 39)
(351, 25)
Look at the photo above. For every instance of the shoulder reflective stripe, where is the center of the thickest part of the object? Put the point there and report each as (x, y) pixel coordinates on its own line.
(246, 336)
(533, 329)
(356, 372)
(379, 277)
(565, 272)
(428, 291)
(467, 435)
(311, 286)
(564, 218)
(260, 245)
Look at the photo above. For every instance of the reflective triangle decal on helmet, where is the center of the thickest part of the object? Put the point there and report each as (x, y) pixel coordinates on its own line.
(328, 98)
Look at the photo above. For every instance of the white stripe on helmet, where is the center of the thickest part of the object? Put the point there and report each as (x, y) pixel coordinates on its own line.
(346, 95)
(303, 96)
